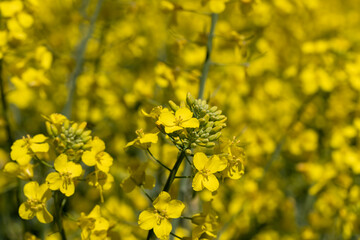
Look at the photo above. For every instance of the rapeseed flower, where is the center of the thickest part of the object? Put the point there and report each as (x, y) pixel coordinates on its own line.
(206, 168)
(183, 118)
(23, 149)
(97, 156)
(143, 140)
(35, 204)
(159, 218)
(93, 226)
(65, 176)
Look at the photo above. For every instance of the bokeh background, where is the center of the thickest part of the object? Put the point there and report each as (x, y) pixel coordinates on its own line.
(286, 73)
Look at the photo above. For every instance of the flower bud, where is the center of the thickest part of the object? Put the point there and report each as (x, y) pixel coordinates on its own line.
(190, 100)
(173, 106)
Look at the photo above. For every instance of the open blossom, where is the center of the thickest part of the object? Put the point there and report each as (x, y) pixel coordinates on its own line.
(183, 118)
(143, 140)
(93, 226)
(206, 167)
(23, 149)
(159, 218)
(97, 157)
(63, 179)
(35, 204)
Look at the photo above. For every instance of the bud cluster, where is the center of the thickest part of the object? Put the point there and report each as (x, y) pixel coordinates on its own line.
(68, 137)
(211, 123)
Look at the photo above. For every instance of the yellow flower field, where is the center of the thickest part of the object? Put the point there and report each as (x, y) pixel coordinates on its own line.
(180, 119)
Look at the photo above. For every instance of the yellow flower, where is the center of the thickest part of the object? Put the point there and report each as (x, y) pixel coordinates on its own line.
(93, 226)
(63, 179)
(24, 172)
(97, 156)
(143, 140)
(235, 159)
(158, 218)
(35, 205)
(101, 180)
(206, 168)
(23, 149)
(138, 177)
(182, 119)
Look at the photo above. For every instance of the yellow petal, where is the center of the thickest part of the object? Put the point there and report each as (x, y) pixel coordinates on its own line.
(191, 123)
(39, 138)
(11, 167)
(167, 119)
(105, 162)
(54, 180)
(95, 213)
(44, 192)
(172, 129)
(215, 164)
(184, 114)
(30, 189)
(98, 145)
(89, 158)
(43, 147)
(26, 213)
(149, 138)
(75, 169)
(163, 230)
(44, 216)
(60, 163)
(101, 224)
(211, 183)
(147, 219)
(175, 208)
(24, 160)
(68, 189)
(162, 201)
(128, 185)
(197, 182)
(200, 159)
(217, 6)
(10, 8)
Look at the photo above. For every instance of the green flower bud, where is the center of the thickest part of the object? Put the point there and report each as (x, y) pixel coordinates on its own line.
(190, 100)
(210, 144)
(173, 106)
(48, 128)
(215, 136)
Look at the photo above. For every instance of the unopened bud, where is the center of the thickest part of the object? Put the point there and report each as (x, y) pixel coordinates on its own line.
(215, 136)
(190, 99)
(210, 144)
(173, 106)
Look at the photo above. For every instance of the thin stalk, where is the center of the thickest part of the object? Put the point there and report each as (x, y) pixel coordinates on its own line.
(80, 52)
(207, 63)
(58, 201)
(169, 181)
(158, 161)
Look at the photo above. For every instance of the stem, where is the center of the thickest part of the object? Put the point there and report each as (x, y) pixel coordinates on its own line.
(174, 171)
(170, 180)
(59, 203)
(158, 161)
(80, 52)
(206, 67)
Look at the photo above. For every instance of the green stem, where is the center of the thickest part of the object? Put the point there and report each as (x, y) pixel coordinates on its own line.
(58, 201)
(206, 67)
(170, 180)
(158, 161)
(80, 52)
